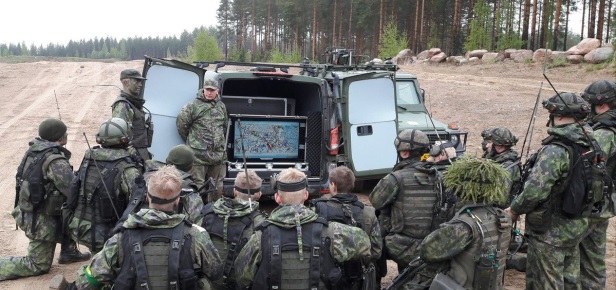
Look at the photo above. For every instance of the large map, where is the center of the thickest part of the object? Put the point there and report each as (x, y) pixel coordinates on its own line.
(267, 139)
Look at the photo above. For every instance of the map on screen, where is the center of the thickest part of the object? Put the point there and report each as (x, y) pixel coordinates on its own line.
(267, 139)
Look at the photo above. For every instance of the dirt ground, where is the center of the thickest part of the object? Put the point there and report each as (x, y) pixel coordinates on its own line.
(473, 96)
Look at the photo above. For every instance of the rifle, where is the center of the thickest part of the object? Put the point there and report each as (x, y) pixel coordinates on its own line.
(407, 274)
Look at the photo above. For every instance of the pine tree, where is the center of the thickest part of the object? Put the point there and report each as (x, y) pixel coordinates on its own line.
(206, 48)
(393, 41)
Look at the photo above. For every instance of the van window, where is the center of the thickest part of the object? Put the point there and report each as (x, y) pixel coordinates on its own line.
(407, 93)
(372, 100)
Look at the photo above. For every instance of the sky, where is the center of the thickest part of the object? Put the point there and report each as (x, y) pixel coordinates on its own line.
(41, 22)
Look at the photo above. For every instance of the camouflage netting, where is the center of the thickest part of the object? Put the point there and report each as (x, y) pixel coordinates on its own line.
(477, 179)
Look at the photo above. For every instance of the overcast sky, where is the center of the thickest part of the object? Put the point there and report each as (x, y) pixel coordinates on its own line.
(58, 21)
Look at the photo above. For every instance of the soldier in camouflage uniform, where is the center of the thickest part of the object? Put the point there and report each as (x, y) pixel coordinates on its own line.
(407, 198)
(231, 221)
(118, 265)
(311, 249)
(602, 97)
(97, 207)
(553, 252)
(500, 143)
(43, 180)
(183, 158)
(129, 107)
(202, 124)
(485, 135)
(344, 207)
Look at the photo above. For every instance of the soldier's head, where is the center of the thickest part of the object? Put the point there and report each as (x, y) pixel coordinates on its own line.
(341, 179)
(113, 133)
(501, 140)
(291, 187)
(442, 152)
(601, 95)
(182, 157)
(244, 185)
(566, 108)
(210, 90)
(479, 180)
(53, 130)
(485, 135)
(411, 144)
(132, 81)
(164, 187)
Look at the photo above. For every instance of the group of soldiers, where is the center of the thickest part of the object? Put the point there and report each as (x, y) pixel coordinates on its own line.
(447, 222)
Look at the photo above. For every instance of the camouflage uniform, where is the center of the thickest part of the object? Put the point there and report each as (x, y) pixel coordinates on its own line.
(130, 109)
(46, 231)
(553, 254)
(202, 124)
(508, 160)
(229, 210)
(105, 265)
(80, 228)
(347, 243)
(190, 200)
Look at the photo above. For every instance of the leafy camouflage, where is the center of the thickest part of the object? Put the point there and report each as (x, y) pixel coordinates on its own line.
(202, 125)
(347, 242)
(507, 160)
(105, 265)
(477, 180)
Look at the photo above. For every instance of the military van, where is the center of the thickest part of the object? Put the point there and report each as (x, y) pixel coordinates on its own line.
(315, 120)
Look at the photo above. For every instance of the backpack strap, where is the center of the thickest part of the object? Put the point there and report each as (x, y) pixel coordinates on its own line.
(315, 260)
(136, 244)
(276, 257)
(175, 246)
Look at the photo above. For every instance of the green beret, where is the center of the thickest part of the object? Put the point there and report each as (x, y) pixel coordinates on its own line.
(182, 157)
(52, 129)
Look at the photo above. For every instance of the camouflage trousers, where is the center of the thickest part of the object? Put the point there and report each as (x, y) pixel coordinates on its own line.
(551, 267)
(37, 262)
(592, 256)
(202, 172)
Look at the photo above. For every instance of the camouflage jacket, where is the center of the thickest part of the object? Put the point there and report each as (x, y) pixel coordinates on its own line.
(190, 199)
(537, 198)
(604, 126)
(347, 242)
(203, 125)
(59, 174)
(137, 121)
(105, 265)
(507, 160)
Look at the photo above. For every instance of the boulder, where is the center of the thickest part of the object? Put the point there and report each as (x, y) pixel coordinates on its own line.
(423, 55)
(433, 51)
(575, 58)
(599, 55)
(540, 54)
(588, 44)
(476, 53)
(558, 54)
(438, 58)
(489, 56)
(522, 55)
(502, 55)
(508, 52)
(404, 57)
(455, 59)
(473, 59)
(574, 50)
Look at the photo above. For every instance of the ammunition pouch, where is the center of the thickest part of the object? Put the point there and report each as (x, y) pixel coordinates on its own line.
(485, 273)
(444, 282)
(540, 220)
(53, 204)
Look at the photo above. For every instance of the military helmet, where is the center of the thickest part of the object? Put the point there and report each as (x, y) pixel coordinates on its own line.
(567, 105)
(52, 129)
(113, 132)
(503, 137)
(182, 157)
(600, 92)
(411, 139)
(485, 134)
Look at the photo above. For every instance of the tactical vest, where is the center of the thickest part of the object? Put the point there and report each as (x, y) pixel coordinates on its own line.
(31, 186)
(413, 211)
(100, 199)
(229, 235)
(156, 259)
(282, 267)
(142, 128)
(481, 265)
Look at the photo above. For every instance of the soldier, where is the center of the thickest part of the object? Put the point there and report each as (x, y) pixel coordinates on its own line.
(344, 207)
(602, 97)
(475, 241)
(231, 221)
(183, 158)
(43, 179)
(202, 124)
(553, 259)
(499, 146)
(99, 195)
(152, 237)
(406, 199)
(485, 134)
(129, 107)
(312, 246)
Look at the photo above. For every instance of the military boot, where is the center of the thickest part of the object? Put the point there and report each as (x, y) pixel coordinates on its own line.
(70, 254)
(59, 283)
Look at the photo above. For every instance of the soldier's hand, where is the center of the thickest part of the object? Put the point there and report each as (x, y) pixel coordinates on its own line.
(513, 216)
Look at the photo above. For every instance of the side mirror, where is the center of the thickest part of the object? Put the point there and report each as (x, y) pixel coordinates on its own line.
(423, 96)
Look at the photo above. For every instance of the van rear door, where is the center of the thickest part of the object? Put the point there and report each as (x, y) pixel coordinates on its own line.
(169, 86)
(372, 118)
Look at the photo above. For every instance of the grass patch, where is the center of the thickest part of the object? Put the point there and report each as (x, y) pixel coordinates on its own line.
(558, 62)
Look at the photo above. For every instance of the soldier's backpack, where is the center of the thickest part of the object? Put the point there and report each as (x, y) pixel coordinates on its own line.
(156, 259)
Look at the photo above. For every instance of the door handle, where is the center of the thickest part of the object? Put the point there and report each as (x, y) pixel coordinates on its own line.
(364, 130)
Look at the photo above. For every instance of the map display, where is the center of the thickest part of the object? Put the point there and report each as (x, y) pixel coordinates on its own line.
(267, 139)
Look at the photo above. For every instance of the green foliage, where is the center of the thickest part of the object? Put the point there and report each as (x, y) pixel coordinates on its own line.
(393, 41)
(479, 37)
(558, 62)
(477, 179)
(279, 57)
(205, 48)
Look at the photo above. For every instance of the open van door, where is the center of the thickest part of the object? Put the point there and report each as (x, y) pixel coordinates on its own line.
(372, 123)
(169, 86)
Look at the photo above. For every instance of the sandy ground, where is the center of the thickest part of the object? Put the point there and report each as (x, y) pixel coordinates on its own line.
(472, 96)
